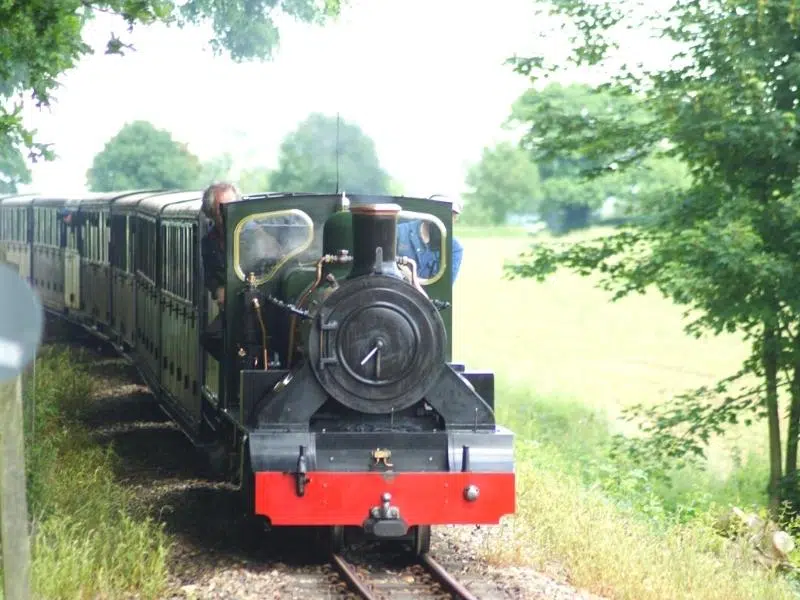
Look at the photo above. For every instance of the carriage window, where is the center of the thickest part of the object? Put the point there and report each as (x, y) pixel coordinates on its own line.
(264, 242)
(423, 238)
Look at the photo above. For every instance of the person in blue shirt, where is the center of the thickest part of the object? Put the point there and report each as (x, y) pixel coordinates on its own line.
(422, 243)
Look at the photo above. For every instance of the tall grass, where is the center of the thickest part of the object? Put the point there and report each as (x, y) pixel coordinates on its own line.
(578, 438)
(563, 528)
(85, 543)
(609, 528)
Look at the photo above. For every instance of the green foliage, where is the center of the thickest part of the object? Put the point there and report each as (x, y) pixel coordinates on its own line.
(253, 181)
(215, 169)
(578, 111)
(579, 173)
(504, 182)
(141, 156)
(246, 28)
(13, 169)
(726, 247)
(308, 159)
(396, 187)
(42, 39)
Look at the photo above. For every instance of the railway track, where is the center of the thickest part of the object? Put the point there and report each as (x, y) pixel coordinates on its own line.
(425, 578)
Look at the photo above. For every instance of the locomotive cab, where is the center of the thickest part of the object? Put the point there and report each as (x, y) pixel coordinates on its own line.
(296, 249)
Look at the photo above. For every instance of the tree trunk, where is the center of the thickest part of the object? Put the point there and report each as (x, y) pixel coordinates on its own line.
(770, 362)
(790, 481)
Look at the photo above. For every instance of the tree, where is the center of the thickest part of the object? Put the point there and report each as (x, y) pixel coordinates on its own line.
(42, 39)
(504, 181)
(254, 181)
(13, 170)
(567, 198)
(217, 168)
(141, 156)
(309, 155)
(396, 187)
(727, 246)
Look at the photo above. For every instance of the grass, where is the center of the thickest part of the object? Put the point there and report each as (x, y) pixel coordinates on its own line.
(611, 552)
(566, 362)
(86, 544)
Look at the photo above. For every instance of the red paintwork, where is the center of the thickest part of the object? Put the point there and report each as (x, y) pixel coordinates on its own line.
(333, 498)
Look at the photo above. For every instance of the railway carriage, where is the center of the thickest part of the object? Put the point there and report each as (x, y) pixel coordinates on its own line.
(94, 231)
(47, 261)
(336, 401)
(122, 257)
(16, 233)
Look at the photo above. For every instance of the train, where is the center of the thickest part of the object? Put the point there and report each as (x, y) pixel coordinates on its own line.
(335, 402)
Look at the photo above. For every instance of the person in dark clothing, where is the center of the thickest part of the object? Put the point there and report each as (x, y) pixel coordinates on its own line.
(212, 247)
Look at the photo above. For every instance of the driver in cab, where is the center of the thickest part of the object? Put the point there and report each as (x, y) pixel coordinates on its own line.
(422, 242)
(213, 252)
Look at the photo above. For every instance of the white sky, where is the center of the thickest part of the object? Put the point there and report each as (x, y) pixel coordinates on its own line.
(424, 78)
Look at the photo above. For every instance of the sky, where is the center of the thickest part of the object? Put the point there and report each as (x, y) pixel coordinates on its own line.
(424, 79)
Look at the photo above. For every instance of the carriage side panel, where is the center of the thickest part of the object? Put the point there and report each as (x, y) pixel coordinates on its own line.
(48, 254)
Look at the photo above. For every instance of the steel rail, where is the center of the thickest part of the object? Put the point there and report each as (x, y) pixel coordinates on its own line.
(351, 578)
(447, 580)
(451, 585)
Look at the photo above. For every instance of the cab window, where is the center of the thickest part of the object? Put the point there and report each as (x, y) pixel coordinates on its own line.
(423, 238)
(265, 242)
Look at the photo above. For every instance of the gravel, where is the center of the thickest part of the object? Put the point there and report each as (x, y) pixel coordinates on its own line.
(219, 554)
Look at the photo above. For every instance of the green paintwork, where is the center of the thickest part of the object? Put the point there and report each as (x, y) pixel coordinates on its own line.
(338, 233)
(332, 232)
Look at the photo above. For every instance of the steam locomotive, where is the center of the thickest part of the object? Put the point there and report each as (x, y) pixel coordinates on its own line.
(335, 402)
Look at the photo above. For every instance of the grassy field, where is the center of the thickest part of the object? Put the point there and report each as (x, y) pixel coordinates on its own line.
(563, 339)
(566, 362)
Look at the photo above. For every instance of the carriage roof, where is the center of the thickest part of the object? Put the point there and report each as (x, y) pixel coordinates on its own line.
(154, 206)
(18, 200)
(185, 209)
(129, 203)
(103, 200)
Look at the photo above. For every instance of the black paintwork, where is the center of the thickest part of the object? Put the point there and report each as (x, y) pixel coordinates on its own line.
(374, 244)
(411, 452)
(292, 406)
(364, 312)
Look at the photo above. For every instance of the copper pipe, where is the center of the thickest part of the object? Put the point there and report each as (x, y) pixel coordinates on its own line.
(404, 260)
(257, 307)
(293, 318)
(328, 258)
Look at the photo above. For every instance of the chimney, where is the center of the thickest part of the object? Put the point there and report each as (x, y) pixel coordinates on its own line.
(374, 239)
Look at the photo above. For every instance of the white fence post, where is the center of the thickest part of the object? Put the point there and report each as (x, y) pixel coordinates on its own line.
(21, 324)
(13, 503)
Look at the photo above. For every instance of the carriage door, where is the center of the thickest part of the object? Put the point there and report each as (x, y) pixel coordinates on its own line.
(72, 260)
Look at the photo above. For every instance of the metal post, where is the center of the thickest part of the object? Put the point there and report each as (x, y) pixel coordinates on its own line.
(13, 503)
